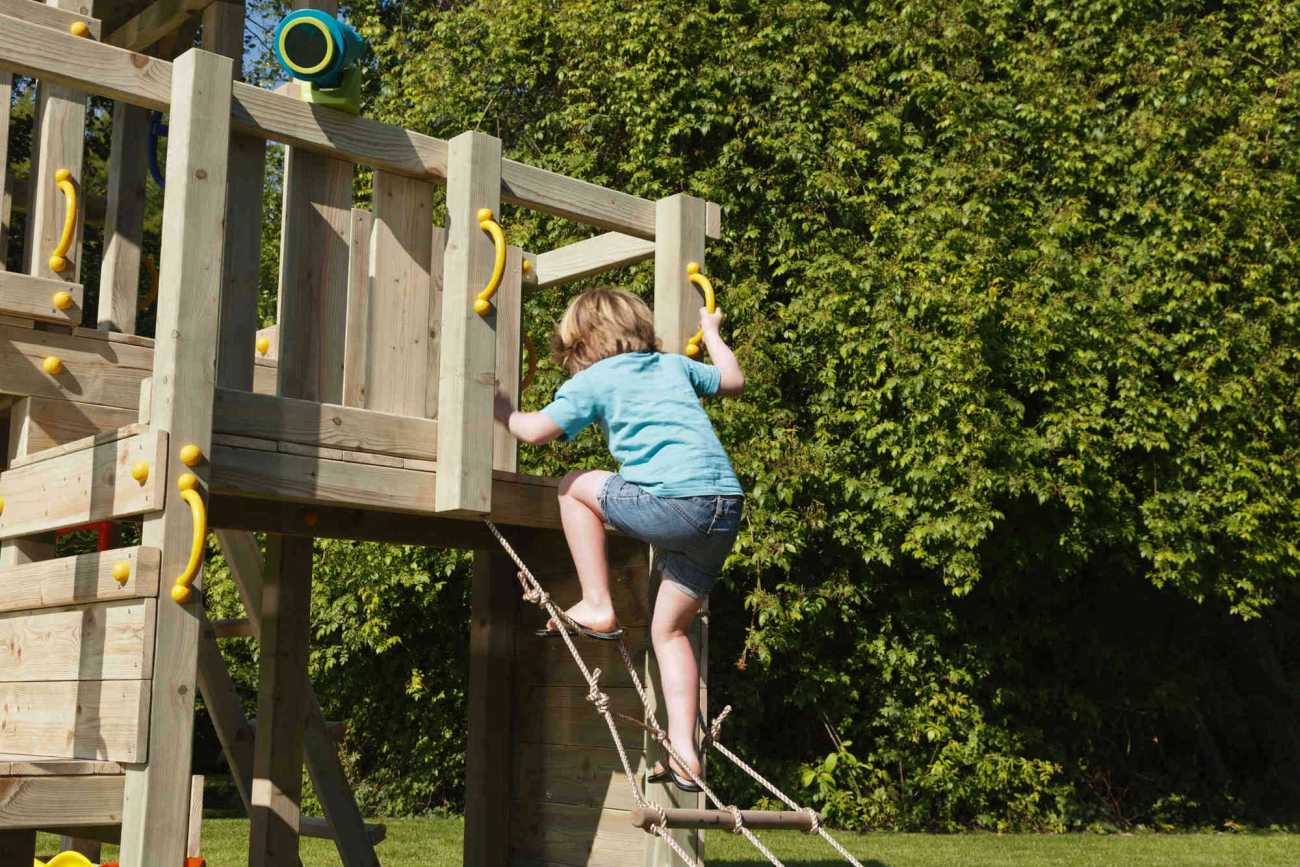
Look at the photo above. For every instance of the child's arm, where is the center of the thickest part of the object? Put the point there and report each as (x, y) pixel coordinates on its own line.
(530, 427)
(733, 378)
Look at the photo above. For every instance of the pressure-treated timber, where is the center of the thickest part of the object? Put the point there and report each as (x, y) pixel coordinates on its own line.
(60, 802)
(679, 235)
(401, 292)
(357, 331)
(287, 419)
(75, 719)
(785, 820)
(549, 833)
(119, 74)
(467, 340)
(106, 641)
(80, 579)
(508, 305)
(436, 274)
(56, 17)
(18, 765)
(31, 297)
(93, 484)
(241, 261)
(80, 444)
(39, 424)
(93, 371)
(194, 210)
(583, 776)
(156, 21)
(592, 256)
(6, 180)
(524, 500)
(128, 168)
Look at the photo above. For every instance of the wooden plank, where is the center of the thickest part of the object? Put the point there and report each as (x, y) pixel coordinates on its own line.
(157, 794)
(318, 481)
(436, 271)
(467, 341)
(78, 445)
(75, 719)
(314, 241)
(57, 17)
(155, 22)
(19, 765)
(60, 802)
(41, 424)
(592, 256)
(546, 661)
(128, 168)
(89, 485)
(679, 234)
(489, 749)
(278, 745)
(223, 32)
(286, 419)
(400, 294)
(358, 319)
(241, 262)
(584, 776)
(93, 371)
(564, 834)
(105, 641)
(315, 826)
(582, 202)
(33, 298)
(562, 715)
(509, 313)
(6, 179)
(58, 141)
(80, 579)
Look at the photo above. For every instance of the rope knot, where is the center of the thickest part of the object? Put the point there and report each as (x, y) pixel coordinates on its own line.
(739, 826)
(716, 728)
(595, 696)
(815, 819)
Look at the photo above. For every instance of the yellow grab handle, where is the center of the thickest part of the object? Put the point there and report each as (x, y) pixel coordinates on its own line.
(188, 483)
(63, 178)
(710, 303)
(483, 301)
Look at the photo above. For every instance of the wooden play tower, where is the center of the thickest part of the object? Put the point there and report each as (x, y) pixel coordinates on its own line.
(365, 413)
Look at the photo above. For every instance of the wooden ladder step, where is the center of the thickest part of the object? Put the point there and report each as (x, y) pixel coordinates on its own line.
(318, 827)
(678, 818)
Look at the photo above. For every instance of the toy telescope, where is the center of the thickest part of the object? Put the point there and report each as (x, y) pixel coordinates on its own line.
(323, 53)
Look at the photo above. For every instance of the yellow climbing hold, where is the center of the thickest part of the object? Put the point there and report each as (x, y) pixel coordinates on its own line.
(191, 455)
(140, 472)
(263, 346)
(187, 482)
(122, 571)
(52, 365)
(78, 28)
(62, 300)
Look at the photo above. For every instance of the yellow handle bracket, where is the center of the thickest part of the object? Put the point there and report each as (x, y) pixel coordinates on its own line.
(63, 178)
(483, 301)
(188, 483)
(710, 303)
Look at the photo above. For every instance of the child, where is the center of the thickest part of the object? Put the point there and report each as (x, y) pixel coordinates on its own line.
(675, 489)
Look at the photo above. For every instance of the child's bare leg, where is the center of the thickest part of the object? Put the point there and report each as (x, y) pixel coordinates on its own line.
(679, 673)
(584, 530)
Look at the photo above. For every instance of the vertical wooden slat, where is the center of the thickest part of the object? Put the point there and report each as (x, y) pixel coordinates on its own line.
(435, 318)
(6, 197)
(57, 143)
(509, 299)
(128, 169)
(489, 747)
(467, 341)
(397, 350)
(281, 703)
(156, 796)
(679, 239)
(223, 32)
(358, 318)
(314, 275)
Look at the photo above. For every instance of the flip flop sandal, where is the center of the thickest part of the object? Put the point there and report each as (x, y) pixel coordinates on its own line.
(614, 635)
(663, 775)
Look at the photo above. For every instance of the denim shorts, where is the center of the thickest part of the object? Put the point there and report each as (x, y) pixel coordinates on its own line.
(691, 536)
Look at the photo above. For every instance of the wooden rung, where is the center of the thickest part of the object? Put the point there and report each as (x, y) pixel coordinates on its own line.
(81, 579)
(769, 819)
(315, 826)
(34, 298)
(236, 628)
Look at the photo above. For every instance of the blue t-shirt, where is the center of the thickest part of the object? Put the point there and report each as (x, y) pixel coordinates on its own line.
(648, 403)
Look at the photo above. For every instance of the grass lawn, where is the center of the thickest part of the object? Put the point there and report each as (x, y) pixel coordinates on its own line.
(436, 843)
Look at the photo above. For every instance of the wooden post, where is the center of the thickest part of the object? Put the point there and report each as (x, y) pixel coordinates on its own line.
(489, 748)
(58, 143)
(509, 307)
(356, 334)
(156, 798)
(17, 848)
(467, 342)
(281, 703)
(119, 276)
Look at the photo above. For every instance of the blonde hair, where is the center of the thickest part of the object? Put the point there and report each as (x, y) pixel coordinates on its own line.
(600, 323)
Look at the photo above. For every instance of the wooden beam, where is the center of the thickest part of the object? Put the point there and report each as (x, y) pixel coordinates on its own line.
(679, 234)
(356, 334)
(75, 719)
(467, 341)
(93, 484)
(281, 712)
(287, 419)
(226, 710)
(39, 424)
(56, 17)
(592, 256)
(81, 444)
(157, 794)
(401, 291)
(59, 802)
(128, 169)
(92, 372)
(80, 579)
(33, 298)
(105, 641)
(509, 315)
(155, 22)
